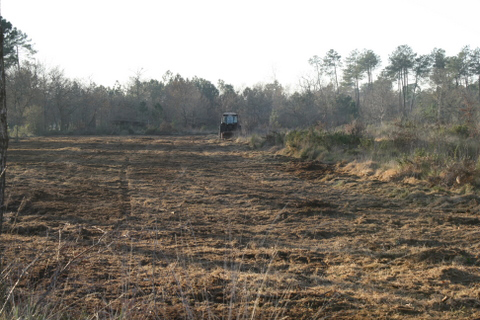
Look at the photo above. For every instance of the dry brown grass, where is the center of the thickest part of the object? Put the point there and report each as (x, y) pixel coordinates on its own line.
(195, 228)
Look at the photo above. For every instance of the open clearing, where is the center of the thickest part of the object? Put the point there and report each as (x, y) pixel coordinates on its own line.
(190, 227)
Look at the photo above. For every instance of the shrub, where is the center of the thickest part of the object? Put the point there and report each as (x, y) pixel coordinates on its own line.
(256, 142)
(460, 173)
(355, 128)
(342, 139)
(467, 149)
(275, 138)
(152, 130)
(367, 144)
(293, 140)
(462, 130)
(405, 140)
(421, 166)
(315, 143)
(166, 127)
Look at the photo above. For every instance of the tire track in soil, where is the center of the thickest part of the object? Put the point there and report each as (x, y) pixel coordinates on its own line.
(124, 194)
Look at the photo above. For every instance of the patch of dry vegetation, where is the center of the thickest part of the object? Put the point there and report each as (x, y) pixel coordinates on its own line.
(444, 157)
(196, 228)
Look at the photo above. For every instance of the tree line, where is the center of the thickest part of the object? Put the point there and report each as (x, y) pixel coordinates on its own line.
(431, 88)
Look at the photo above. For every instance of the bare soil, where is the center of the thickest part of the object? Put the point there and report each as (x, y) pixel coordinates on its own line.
(190, 227)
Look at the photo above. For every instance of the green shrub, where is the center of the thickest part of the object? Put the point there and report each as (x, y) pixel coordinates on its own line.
(275, 138)
(405, 140)
(467, 149)
(293, 140)
(461, 130)
(317, 143)
(152, 130)
(367, 144)
(342, 139)
(256, 142)
(420, 164)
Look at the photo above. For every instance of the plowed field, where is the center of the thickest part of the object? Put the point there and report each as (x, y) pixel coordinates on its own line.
(190, 227)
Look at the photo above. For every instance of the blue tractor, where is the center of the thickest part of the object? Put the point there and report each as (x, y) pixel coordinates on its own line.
(229, 126)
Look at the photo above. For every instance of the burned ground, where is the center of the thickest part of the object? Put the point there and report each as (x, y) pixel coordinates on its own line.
(196, 228)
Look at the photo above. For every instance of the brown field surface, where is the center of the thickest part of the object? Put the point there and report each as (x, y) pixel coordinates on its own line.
(190, 227)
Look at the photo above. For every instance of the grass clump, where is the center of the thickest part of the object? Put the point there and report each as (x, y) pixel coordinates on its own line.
(461, 130)
(256, 141)
(421, 164)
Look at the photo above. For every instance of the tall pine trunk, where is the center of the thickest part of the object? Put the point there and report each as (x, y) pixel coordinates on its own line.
(3, 130)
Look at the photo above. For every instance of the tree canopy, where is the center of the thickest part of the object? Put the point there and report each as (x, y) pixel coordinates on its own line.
(15, 43)
(430, 87)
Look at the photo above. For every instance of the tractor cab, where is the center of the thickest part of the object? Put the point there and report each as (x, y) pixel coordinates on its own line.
(229, 125)
(230, 118)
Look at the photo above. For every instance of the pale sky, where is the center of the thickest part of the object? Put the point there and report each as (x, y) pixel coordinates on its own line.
(241, 42)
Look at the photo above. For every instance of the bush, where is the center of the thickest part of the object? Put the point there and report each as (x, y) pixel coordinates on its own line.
(367, 144)
(422, 166)
(275, 138)
(467, 149)
(256, 142)
(405, 140)
(461, 130)
(316, 143)
(355, 128)
(342, 139)
(166, 127)
(152, 130)
(460, 173)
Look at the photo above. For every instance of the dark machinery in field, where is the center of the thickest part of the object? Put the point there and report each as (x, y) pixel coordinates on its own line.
(229, 126)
